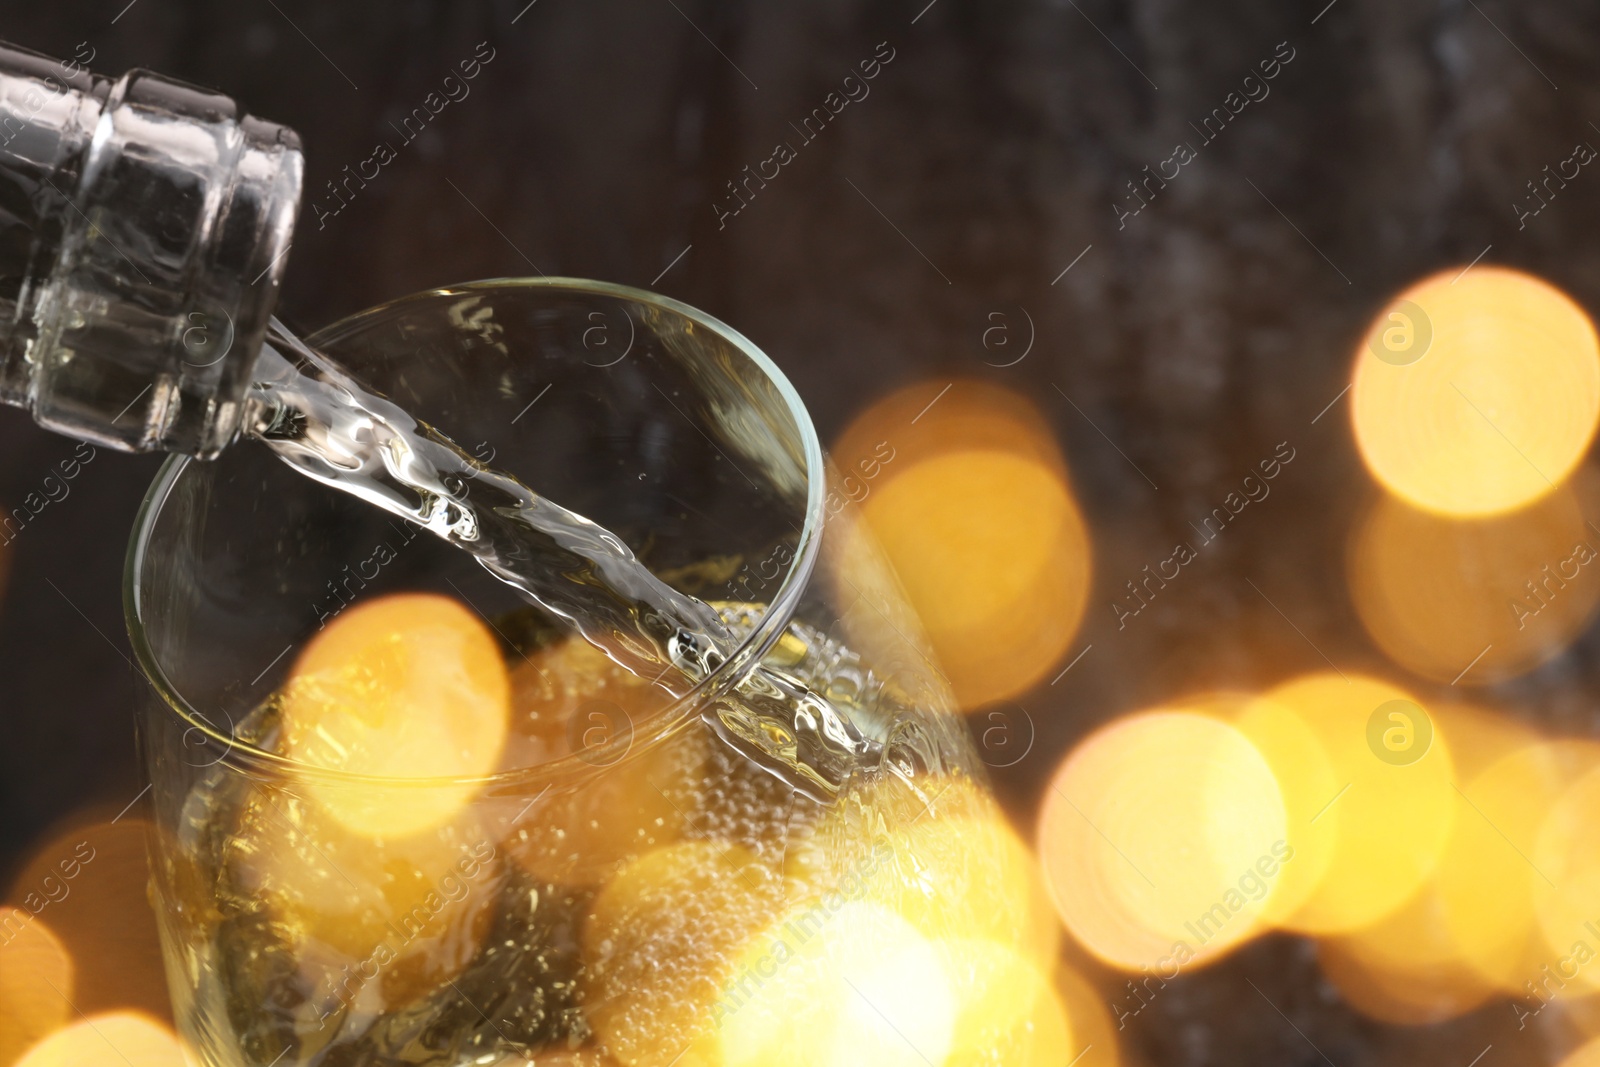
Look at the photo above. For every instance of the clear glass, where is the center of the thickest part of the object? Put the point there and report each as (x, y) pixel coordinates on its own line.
(616, 891)
(144, 225)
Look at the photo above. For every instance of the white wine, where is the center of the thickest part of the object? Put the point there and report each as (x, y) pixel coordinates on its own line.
(517, 958)
(620, 824)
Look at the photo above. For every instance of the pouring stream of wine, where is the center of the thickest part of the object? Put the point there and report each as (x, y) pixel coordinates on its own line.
(327, 426)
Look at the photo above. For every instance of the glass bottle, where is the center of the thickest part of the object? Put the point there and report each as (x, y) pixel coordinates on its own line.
(144, 225)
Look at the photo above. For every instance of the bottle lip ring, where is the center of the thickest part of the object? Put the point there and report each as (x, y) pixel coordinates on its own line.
(248, 759)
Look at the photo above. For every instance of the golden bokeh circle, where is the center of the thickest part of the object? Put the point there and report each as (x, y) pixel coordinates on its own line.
(1500, 407)
(1161, 837)
(123, 1038)
(1476, 601)
(409, 687)
(1385, 826)
(36, 982)
(963, 490)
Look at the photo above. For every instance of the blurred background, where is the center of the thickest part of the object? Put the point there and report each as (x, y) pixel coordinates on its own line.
(1000, 233)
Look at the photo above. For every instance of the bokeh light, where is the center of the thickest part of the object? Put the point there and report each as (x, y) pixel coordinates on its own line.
(570, 698)
(381, 921)
(961, 871)
(1421, 996)
(1007, 1012)
(643, 801)
(1490, 887)
(36, 982)
(126, 1039)
(1394, 818)
(562, 1057)
(578, 837)
(409, 686)
(1094, 1036)
(969, 499)
(89, 885)
(940, 854)
(1498, 595)
(1411, 966)
(1585, 1056)
(1161, 836)
(1566, 886)
(1306, 779)
(690, 943)
(838, 986)
(926, 419)
(1476, 392)
(657, 943)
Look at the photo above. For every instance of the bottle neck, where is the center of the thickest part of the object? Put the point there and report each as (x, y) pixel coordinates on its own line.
(144, 225)
(47, 119)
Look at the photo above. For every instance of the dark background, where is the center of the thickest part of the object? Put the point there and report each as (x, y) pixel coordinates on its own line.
(986, 159)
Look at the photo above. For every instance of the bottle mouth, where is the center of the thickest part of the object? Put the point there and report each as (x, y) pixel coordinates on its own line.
(250, 759)
(160, 228)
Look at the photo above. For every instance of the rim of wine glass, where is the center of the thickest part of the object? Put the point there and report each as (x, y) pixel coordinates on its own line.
(766, 631)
